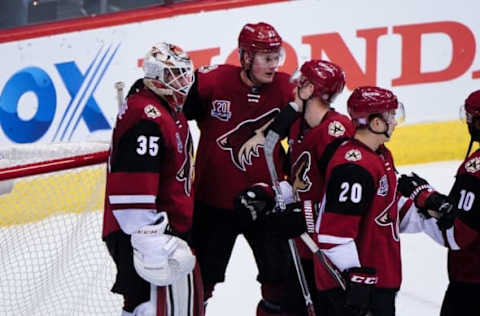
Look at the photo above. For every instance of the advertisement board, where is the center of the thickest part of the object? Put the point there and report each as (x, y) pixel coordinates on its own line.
(59, 87)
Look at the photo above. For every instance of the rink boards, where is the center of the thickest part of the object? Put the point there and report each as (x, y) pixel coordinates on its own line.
(57, 83)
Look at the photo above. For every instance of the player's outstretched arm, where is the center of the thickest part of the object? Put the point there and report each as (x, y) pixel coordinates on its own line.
(428, 201)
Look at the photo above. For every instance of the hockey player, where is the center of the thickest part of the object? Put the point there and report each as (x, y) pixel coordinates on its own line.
(357, 227)
(462, 239)
(319, 83)
(309, 137)
(149, 197)
(232, 107)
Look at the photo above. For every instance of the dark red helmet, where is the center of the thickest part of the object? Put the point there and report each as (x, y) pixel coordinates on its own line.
(472, 104)
(327, 77)
(260, 37)
(472, 109)
(365, 101)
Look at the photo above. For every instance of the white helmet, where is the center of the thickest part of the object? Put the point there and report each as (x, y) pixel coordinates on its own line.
(168, 73)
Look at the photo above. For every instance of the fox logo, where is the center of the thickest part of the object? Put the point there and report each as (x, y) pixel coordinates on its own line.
(386, 218)
(245, 140)
(301, 182)
(186, 172)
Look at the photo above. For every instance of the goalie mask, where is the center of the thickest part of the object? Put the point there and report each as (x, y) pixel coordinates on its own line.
(168, 73)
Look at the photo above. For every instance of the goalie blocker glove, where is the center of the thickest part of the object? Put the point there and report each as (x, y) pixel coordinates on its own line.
(428, 201)
(160, 258)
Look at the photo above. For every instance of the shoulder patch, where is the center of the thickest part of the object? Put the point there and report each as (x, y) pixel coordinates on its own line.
(205, 69)
(336, 129)
(473, 165)
(353, 155)
(383, 186)
(221, 110)
(152, 111)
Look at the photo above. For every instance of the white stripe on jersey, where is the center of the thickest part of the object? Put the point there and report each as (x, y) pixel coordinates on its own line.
(344, 256)
(132, 219)
(131, 199)
(452, 243)
(330, 239)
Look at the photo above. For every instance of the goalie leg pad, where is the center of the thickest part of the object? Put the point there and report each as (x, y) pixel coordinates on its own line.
(180, 296)
(184, 297)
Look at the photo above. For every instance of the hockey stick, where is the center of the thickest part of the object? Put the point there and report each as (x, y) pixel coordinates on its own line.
(119, 85)
(270, 142)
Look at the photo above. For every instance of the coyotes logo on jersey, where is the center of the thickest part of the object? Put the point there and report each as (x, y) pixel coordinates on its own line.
(245, 140)
(301, 182)
(186, 172)
(473, 165)
(389, 218)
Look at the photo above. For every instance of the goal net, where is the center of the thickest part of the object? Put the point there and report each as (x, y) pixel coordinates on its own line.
(52, 258)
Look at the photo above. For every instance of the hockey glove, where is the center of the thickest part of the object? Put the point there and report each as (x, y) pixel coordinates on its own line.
(429, 202)
(361, 283)
(411, 186)
(441, 207)
(253, 203)
(288, 223)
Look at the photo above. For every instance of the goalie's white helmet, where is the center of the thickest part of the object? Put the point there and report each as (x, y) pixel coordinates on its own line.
(168, 73)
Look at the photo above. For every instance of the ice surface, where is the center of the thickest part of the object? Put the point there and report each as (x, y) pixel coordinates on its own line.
(424, 265)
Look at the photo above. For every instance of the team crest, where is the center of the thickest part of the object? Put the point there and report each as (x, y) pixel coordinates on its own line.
(387, 218)
(206, 69)
(221, 110)
(186, 172)
(383, 186)
(301, 182)
(336, 129)
(353, 155)
(473, 165)
(152, 112)
(245, 140)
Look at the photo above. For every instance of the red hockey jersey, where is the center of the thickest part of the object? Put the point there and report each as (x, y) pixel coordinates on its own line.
(231, 117)
(359, 223)
(150, 167)
(305, 153)
(464, 264)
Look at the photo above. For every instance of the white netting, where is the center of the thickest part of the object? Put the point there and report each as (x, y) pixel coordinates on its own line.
(15, 155)
(52, 258)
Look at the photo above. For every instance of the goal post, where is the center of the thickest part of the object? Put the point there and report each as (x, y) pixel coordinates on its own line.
(52, 258)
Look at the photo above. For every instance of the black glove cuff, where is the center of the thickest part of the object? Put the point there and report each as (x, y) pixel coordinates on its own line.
(289, 223)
